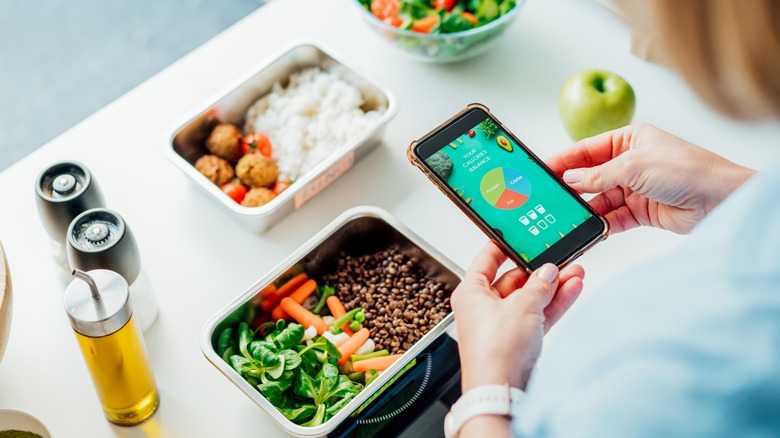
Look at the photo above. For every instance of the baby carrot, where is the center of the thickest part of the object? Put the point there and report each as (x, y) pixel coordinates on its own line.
(471, 18)
(279, 313)
(353, 344)
(299, 296)
(268, 295)
(377, 363)
(304, 291)
(272, 295)
(291, 285)
(303, 316)
(337, 310)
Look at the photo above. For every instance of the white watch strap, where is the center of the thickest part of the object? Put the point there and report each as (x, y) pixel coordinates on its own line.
(482, 400)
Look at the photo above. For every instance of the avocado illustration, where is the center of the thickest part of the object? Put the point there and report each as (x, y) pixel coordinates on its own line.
(504, 143)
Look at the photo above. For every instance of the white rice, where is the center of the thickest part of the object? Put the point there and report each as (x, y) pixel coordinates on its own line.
(317, 114)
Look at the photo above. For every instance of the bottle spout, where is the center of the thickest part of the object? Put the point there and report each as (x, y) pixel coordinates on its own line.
(81, 275)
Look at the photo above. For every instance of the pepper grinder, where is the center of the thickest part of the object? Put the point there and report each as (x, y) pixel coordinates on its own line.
(101, 239)
(63, 191)
(100, 311)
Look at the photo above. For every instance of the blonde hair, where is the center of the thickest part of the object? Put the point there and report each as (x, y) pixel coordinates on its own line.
(728, 50)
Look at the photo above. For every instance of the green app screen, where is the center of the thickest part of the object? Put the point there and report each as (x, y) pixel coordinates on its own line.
(508, 189)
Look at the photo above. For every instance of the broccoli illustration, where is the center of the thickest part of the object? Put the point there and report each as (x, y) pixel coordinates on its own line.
(441, 164)
(488, 127)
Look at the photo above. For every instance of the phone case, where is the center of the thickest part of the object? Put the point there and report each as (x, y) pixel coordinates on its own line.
(473, 216)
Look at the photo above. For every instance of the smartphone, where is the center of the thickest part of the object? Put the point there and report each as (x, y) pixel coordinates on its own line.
(507, 191)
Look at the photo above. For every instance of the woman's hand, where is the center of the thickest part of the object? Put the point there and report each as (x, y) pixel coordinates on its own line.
(646, 176)
(501, 324)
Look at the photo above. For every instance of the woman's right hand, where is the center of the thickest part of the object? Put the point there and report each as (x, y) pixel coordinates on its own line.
(645, 176)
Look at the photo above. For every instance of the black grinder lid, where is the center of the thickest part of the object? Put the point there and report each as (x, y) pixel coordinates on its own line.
(100, 239)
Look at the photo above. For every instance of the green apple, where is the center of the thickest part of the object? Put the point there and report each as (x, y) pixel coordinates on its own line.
(595, 101)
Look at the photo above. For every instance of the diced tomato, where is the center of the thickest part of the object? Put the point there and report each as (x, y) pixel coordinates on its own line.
(444, 4)
(235, 191)
(257, 142)
(384, 8)
(394, 21)
(425, 24)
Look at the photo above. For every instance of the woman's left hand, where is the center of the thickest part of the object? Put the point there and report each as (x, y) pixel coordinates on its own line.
(501, 323)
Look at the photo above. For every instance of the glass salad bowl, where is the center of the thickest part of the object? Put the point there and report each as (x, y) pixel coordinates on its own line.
(441, 47)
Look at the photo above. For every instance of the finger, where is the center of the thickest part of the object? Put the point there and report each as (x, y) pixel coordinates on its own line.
(608, 201)
(570, 272)
(510, 281)
(486, 264)
(621, 220)
(516, 278)
(540, 288)
(621, 171)
(592, 151)
(564, 298)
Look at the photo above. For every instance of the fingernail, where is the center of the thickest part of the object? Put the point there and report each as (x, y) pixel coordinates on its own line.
(573, 176)
(548, 272)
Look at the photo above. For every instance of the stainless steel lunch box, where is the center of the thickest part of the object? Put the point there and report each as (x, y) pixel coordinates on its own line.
(183, 144)
(357, 231)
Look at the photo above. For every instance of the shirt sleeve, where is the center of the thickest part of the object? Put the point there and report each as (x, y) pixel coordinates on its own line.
(668, 392)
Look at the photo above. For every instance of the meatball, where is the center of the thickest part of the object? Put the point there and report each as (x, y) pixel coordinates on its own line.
(256, 170)
(215, 169)
(257, 197)
(225, 142)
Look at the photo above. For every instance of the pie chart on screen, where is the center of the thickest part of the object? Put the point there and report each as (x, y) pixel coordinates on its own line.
(505, 188)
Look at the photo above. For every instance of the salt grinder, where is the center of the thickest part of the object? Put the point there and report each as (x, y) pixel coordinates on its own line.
(101, 239)
(100, 311)
(63, 191)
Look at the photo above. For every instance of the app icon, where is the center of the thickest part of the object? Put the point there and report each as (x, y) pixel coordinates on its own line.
(534, 231)
(540, 209)
(542, 224)
(524, 220)
(532, 214)
(550, 218)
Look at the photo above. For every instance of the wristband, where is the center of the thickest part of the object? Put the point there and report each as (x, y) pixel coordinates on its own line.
(482, 400)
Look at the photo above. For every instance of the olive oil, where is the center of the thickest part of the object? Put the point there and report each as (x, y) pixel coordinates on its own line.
(101, 314)
(121, 374)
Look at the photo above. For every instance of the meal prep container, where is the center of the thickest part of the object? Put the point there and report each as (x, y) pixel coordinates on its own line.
(358, 231)
(184, 144)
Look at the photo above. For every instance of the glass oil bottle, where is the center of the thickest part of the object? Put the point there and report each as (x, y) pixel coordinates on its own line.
(101, 314)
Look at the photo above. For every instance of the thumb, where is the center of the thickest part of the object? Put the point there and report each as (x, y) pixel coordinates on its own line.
(540, 288)
(600, 178)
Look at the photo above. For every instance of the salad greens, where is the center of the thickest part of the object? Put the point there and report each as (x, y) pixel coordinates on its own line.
(301, 380)
(438, 16)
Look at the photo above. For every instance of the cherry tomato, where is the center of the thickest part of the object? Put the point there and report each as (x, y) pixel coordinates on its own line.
(257, 142)
(235, 191)
(444, 4)
(280, 186)
(472, 133)
(384, 8)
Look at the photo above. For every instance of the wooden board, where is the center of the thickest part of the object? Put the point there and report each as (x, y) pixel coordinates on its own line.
(6, 305)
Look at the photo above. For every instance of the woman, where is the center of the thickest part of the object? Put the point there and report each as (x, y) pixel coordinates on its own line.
(681, 349)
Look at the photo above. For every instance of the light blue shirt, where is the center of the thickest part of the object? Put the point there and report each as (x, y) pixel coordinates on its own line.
(675, 348)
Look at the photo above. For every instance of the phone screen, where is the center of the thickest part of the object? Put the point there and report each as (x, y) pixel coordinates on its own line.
(515, 195)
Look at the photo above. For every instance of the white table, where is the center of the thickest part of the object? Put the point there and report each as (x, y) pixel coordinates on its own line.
(199, 259)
